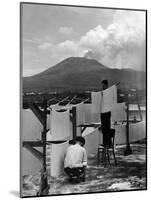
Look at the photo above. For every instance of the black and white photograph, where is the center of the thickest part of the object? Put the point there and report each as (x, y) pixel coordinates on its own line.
(83, 99)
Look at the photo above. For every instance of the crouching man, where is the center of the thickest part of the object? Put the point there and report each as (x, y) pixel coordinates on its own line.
(76, 160)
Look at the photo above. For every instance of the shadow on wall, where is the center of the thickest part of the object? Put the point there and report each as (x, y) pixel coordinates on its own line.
(15, 193)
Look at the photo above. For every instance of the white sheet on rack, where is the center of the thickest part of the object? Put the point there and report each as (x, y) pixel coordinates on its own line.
(120, 133)
(87, 109)
(92, 140)
(57, 156)
(109, 97)
(31, 131)
(80, 117)
(80, 114)
(137, 131)
(32, 127)
(118, 112)
(96, 99)
(59, 125)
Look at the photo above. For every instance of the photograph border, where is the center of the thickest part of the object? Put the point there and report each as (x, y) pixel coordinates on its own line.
(21, 90)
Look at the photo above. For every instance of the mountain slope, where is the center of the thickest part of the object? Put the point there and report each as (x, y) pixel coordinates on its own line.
(78, 73)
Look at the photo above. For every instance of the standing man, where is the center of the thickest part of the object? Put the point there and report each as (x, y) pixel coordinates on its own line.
(105, 118)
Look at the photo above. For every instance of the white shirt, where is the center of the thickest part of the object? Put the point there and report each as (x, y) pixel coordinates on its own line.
(75, 156)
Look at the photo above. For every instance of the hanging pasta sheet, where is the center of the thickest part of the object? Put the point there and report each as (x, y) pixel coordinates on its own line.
(109, 97)
(57, 156)
(59, 125)
(118, 112)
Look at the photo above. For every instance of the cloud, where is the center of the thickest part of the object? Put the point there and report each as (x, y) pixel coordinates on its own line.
(69, 46)
(29, 40)
(66, 30)
(66, 49)
(29, 70)
(121, 44)
(45, 46)
(49, 54)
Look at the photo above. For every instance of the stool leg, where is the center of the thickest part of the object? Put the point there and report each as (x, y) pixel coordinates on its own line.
(98, 156)
(108, 156)
(84, 172)
(104, 156)
(114, 156)
(113, 150)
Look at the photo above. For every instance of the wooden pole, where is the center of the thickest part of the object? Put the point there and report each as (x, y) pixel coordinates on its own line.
(44, 187)
(128, 150)
(74, 122)
(44, 134)
(139, 108)
(140, 113)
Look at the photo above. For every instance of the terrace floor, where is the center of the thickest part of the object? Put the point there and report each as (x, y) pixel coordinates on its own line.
(129, 174)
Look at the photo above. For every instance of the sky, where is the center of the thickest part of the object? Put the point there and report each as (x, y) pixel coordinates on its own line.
(52, 33)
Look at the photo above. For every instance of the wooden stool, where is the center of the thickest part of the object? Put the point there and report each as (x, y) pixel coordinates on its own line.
(105, 151)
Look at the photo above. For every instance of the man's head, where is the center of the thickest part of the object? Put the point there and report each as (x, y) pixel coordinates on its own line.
(80, 140)
(71, 142)
(105, 84)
